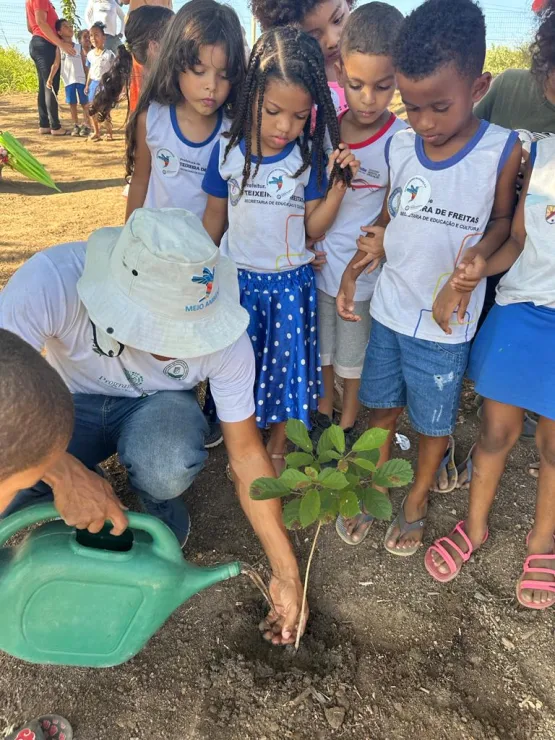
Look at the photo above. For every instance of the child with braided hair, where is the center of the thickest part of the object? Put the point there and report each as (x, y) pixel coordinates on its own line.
(268, 183)
(324, 20)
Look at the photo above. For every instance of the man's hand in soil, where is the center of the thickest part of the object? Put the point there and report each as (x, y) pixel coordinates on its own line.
(280, 626)
(83, 498)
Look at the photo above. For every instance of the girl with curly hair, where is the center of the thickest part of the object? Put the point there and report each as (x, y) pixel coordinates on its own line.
(324, 20)
(268, 186)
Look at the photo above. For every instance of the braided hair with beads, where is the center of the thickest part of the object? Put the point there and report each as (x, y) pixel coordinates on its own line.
(291, 56)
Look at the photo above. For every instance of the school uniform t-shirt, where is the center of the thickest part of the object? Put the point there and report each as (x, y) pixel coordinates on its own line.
(361, 206)
(99, 64)
(438, 210)
(266, 222)
(41, 305)
(177, 164)
(71, 68)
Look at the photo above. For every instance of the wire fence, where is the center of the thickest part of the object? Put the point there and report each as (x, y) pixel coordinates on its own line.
(506, 26)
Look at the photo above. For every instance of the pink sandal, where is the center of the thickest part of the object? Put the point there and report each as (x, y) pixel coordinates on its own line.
(437, 547)
(523, 584)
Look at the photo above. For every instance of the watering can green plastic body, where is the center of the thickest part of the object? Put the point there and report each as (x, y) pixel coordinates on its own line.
(72, 598)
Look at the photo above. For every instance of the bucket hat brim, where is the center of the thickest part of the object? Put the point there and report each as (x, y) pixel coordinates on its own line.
(121, 319)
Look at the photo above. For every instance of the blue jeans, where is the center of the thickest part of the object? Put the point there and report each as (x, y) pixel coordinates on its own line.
(159, 439)
(423, 376)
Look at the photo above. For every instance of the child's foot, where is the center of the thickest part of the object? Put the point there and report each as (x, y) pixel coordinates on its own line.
(95, 137)
(447, 555)
(75, 131)
(85, 131)
(109, 137)
(538, 567)
(404, 536)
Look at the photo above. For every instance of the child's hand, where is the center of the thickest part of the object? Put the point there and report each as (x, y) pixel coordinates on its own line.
(469, 272)
(372, 244)
(447, 301)
(320, 258)
(345, 300)
(86, 89)
(344, 158)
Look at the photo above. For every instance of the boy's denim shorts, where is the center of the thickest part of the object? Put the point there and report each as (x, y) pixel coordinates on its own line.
(425, 377)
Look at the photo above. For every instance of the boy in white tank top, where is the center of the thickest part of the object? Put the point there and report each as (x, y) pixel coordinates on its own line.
(367, 76)
(452, 185)
(74, 77)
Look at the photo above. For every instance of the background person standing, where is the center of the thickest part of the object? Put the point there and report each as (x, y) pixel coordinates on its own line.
(107, 12)
(41, 23)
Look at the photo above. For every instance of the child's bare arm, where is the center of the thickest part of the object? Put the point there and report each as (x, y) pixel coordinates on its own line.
(320, 214)
(215, 218)
(141, 173)
(84, 62)
(55, 67)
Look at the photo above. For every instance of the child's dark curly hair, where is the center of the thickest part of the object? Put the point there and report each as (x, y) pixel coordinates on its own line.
(273, 13)
(198, 23)
(144, 25)
(543, 47)
(442, 32)
(289, 55)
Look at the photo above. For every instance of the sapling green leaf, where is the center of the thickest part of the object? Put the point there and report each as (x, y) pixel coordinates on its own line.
(293, 479)
(375, 503)
(311, 472)
(309, 509)
(298, 434)
(348, 504)
(331, 478)
(291, 515)
(393, 474)
(298, 459)
(328, 456)
(363, 463)
(372, 439)
(263, 489)
(329, 505)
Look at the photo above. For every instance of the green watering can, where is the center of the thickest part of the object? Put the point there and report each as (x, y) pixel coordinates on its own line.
(72, 598)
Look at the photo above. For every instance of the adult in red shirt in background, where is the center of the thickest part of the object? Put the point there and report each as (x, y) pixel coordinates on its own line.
(41, 18)
(538, 5)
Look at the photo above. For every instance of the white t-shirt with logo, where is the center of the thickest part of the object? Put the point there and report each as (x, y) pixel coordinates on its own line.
(438, 210)
(71, 68)
(99, 64)
(177, 164)
(266, 223)
(41, 305)
(361, 206)
(531, 278)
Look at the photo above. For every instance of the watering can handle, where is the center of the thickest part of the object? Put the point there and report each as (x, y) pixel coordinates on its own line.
(165, 542)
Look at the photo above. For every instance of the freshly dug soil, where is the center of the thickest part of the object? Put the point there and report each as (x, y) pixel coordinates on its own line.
(389, 654)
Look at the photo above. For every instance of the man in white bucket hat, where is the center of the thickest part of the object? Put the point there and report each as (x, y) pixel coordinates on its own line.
(133, 320)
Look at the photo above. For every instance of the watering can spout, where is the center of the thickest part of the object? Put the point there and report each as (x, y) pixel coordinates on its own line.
(198, 579)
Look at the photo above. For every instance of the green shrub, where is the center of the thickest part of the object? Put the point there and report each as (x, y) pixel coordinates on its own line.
(500, 58)
(17, 72)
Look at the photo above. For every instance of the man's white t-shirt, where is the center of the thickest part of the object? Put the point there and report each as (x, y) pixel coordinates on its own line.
(71, 68)
(100, 63)
(177, 164)
(106, 12)
(41, 305)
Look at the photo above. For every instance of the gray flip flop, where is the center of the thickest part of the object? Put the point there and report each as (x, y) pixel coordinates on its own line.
(341, 529)
(404, 528)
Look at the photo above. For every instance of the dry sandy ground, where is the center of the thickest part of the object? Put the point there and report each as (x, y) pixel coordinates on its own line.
(390, 652)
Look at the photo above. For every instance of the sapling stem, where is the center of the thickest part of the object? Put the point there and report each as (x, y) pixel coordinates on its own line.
(306, 575)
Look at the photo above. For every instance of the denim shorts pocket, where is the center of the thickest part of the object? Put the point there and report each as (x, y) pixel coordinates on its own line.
(454, 351)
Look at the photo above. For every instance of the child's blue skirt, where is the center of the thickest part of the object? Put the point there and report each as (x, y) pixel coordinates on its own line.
(513, 357)
(284, 333)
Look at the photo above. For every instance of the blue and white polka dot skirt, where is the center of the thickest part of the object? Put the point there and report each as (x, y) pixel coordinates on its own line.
(284, 333)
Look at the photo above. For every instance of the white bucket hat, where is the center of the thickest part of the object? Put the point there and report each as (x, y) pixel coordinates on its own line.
(159, 284)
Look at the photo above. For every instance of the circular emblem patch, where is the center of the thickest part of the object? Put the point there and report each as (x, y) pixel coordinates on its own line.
(167, 162)
(280, 185)
(177, 370)
(416, 194)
